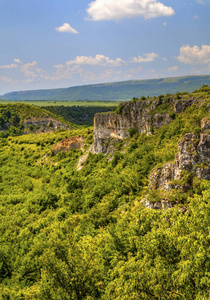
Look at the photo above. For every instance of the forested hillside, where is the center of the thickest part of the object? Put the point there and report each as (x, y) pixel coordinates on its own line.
(18, 119)
(74, 224)
(80, 115)
(115, 91)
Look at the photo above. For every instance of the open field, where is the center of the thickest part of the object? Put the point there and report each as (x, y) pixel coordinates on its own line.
(63, 103)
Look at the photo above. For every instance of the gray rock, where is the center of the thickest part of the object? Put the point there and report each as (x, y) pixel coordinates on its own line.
(139, 114)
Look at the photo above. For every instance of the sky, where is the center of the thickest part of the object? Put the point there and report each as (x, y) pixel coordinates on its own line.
(62, 43)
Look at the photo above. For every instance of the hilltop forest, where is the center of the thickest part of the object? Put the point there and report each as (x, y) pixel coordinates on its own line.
(73, 223)
(115, 91)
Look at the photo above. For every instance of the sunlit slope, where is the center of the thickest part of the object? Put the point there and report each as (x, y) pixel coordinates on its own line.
(68, 233)
(117, 91)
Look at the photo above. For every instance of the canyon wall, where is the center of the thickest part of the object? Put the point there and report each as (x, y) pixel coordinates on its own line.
(142, 115)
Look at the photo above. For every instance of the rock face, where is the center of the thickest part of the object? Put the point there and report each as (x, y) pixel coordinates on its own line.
(193, 157)
(68, 144)
(42, 125)
(142, 115)
(164, 204)
(181, 105)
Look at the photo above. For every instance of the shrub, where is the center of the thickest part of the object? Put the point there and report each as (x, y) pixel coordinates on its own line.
(116, 158)
(51, 124)
(161, 97)
(172, 115)
(132, 131)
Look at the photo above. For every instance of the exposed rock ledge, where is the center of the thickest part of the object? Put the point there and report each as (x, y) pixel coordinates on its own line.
(143, 115)
(68, 144)
(43, 125)
(193, 157)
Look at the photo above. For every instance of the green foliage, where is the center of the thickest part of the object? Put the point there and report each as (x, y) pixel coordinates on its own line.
(68, 234)
(80, 115)
(172, 115)
(12, 117)
(160, 97)
(119, 108)
(116, 159)
(178, 96)
(132, 131)
(116, 91)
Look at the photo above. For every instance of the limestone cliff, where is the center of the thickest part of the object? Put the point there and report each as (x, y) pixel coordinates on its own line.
(192, 159)
(143, 115)
(40, 125)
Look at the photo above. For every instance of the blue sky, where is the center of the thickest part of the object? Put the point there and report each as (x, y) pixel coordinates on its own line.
(53, 44)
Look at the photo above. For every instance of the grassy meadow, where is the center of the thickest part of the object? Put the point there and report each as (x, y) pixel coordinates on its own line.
(63, 103)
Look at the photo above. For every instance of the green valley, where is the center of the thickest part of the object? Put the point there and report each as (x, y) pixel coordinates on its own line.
(76, 223)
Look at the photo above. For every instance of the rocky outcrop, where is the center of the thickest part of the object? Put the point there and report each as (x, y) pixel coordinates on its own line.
(40, 125)
(205, 125)
(181, 105)
(68, 144)
(193, 157)
(143, 115)
(163, 204)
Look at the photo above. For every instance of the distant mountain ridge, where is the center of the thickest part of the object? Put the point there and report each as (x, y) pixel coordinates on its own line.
(115, 91)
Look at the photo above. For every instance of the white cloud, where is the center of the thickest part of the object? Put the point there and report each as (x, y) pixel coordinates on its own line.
(173, 69)
(195, 55)
(82, 68)
(66, 28)
(134, 71)
(120, 9)
(7, 79)
(28, 71)
(17, 60)
(201, 2)
(148, 57)
(29, 80)
(98, 60)
(11, 66)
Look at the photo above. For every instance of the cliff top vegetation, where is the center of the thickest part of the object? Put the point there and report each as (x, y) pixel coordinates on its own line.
(69, 234)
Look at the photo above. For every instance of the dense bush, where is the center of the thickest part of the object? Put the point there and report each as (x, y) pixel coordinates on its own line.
(68, 234)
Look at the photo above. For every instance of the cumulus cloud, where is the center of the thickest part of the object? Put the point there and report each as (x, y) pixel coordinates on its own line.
(17, 60)
(148, 57)
(195, 55)
(173, 69)
(66, 28)
(7, 79)
(120, 9)
(81, 68)
(98, 60)
(11, 66)
(28, 69)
